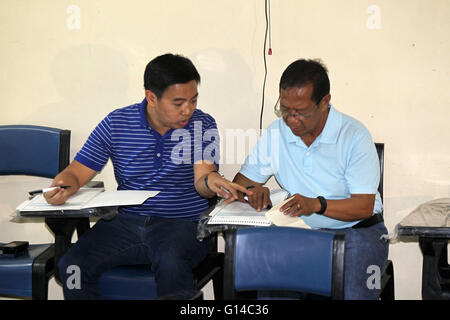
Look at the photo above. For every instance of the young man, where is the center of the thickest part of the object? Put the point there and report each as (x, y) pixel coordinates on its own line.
(163, 143)
(328, 162)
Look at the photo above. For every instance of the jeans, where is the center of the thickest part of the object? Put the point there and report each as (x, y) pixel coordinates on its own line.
(365, 257)
(170, 246)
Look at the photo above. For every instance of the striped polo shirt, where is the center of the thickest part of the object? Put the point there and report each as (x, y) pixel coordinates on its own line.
(145, 160)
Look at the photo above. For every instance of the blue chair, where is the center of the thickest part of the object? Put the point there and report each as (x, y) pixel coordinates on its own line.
(272, 260)
(137, 282)
(34, 151)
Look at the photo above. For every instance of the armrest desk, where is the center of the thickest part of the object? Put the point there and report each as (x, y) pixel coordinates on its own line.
(64, 222)
(430, 222)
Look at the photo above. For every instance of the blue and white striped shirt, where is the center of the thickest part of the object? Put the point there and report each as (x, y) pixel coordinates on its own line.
(145, 160)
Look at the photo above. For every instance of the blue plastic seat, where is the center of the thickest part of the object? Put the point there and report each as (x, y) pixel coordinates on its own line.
(27, 274)
(35, 151)
(137, 282)
(273, 259)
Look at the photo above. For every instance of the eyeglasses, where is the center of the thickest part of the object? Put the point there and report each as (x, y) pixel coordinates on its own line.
(279, 112)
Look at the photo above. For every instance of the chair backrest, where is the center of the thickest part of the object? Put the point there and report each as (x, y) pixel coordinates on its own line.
(285, 259)
(380, 151)
(33, 150)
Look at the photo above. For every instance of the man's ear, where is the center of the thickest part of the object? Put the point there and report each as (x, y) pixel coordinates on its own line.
(151, 98)
(326, 100)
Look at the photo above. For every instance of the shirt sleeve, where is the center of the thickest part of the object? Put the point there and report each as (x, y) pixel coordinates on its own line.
(259, 165)
(363, 167)
(97, 149)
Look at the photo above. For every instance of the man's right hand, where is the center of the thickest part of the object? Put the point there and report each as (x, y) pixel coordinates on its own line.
(259, 199)
(58, 195)
(75, 175)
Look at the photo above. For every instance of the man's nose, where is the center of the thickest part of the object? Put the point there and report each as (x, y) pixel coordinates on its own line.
(188, 108)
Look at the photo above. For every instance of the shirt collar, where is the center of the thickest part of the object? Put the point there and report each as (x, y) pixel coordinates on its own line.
(144, 122)
(332, 127)
(143, 114)
(329, 133)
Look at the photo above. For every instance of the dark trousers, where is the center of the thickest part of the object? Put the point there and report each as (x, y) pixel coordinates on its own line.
(366, 253)
(169, 246)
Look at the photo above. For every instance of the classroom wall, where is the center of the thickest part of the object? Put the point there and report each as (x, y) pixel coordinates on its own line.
(69, 63)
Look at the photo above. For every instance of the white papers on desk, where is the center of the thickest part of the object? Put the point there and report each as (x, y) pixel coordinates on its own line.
(90, 198)
(239, 213)
(280, 219)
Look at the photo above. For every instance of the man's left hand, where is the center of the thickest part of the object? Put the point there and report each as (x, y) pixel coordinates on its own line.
(300, 205)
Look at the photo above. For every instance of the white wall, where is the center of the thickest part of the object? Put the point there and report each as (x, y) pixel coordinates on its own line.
(69, 66)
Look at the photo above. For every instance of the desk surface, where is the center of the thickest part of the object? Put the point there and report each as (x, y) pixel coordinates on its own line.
(431, 219)
(101, 212)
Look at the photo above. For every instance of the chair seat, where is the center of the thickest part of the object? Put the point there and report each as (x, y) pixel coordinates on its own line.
(16, 273)
(137, 282)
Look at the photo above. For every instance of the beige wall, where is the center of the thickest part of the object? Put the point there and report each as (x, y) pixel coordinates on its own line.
(388, 65)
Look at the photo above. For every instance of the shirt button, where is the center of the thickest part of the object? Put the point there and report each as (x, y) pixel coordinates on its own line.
(158, 155)
(307, 153)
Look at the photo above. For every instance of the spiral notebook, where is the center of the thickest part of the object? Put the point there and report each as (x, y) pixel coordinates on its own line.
(243, 214)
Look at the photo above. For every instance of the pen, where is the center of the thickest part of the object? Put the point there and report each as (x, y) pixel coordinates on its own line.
(31, 193)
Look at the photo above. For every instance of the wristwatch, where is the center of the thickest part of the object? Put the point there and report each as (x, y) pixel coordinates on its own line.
(323, 204)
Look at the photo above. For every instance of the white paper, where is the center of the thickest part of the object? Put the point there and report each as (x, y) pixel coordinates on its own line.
(280, 219)
(242, 213)
(90, 198)
(121, 198)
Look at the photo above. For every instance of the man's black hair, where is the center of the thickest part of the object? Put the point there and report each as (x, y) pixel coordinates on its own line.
(167, 70)
(304, 72)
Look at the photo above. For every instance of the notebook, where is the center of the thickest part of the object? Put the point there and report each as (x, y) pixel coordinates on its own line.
(240, 213)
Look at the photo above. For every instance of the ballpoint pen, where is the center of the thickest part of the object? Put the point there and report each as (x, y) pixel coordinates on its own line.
(31, 193)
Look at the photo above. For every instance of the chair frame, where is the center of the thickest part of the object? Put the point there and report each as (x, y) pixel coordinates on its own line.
(387, 291)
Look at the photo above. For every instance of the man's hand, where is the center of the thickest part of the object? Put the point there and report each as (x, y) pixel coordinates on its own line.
(300, 205)
(226, 189)
(259, 197)
(75, 175)
(58, 195)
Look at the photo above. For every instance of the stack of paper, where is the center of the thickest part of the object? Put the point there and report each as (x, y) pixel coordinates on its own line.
(89, 198)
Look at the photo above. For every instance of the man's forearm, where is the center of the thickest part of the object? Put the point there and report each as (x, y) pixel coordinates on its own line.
(67, 178)
(355, 208)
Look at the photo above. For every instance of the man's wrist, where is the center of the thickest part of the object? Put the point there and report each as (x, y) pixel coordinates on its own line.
(206, 179)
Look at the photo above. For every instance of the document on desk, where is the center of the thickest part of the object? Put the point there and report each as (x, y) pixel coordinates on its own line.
(239, 213)
(280, 219)
(89, 198)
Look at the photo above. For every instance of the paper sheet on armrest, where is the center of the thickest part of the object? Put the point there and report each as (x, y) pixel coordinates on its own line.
(282, 220)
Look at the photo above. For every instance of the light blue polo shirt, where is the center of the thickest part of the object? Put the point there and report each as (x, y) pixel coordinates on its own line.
(341, 161)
